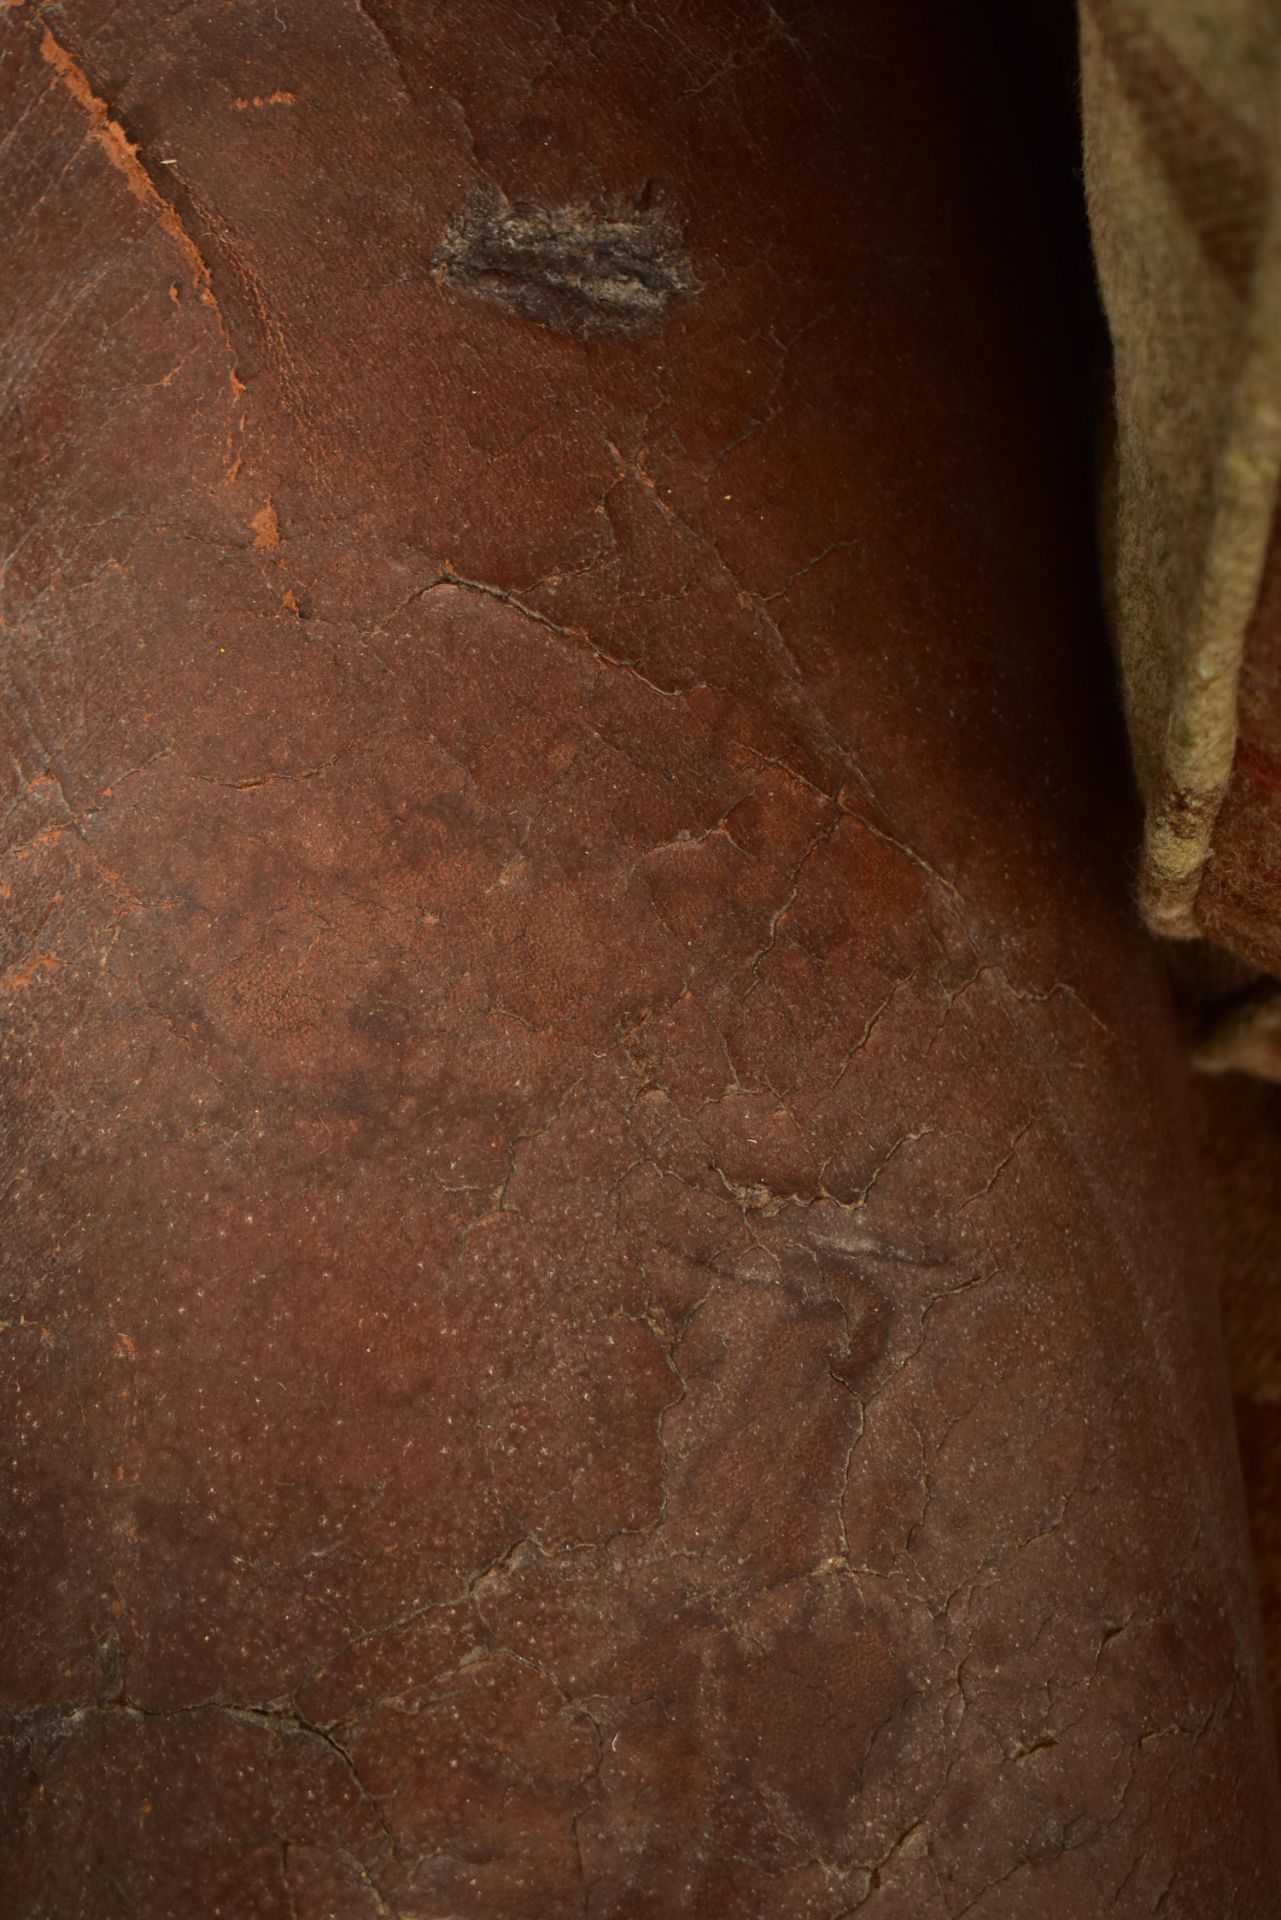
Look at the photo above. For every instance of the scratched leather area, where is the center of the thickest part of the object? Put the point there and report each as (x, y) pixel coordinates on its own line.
(605, 1313)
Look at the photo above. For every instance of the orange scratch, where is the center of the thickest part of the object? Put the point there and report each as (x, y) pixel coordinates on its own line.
(123, 155)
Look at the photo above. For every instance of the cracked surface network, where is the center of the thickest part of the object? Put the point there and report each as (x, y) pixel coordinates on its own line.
(595, 1315)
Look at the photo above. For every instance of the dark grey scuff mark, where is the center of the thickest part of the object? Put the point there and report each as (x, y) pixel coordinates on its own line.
(576, 269)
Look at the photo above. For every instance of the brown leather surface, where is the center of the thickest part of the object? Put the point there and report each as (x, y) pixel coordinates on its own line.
(1238, 1134)
(608, 1312)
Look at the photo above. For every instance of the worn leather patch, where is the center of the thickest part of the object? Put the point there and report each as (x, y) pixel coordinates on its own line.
(604, 1310)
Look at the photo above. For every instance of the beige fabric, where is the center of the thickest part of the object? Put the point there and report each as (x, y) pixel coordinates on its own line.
(1244, 1038)
(1181, 104)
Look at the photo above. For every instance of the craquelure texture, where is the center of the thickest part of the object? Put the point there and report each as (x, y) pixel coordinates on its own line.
(605, 1314)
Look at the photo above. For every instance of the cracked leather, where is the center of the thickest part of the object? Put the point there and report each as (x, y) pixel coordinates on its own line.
(605, 1314)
